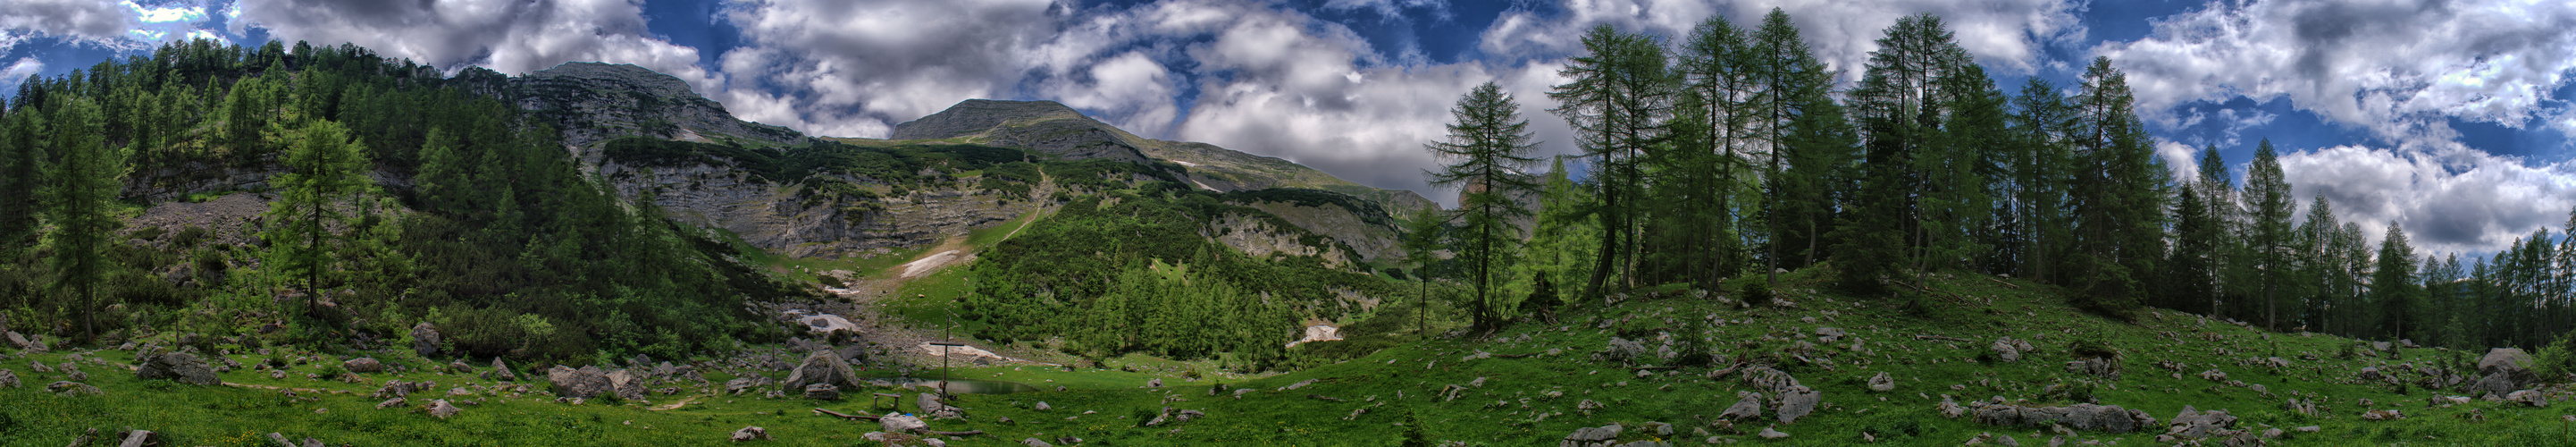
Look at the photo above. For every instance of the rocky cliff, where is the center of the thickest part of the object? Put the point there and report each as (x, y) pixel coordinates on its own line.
(593, 102)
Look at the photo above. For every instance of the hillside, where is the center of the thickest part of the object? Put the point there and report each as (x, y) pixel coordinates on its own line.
(1534, 383)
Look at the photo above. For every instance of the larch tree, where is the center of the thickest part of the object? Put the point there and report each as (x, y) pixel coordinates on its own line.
(2268, 206)
(325, 170)
(85, 184)
(2392, 284)
(1488, 147)
(1618, 97)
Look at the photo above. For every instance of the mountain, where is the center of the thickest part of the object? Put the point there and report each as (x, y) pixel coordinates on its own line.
(597, 105)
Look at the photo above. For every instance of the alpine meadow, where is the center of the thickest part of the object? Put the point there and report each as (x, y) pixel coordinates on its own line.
(1736, 224)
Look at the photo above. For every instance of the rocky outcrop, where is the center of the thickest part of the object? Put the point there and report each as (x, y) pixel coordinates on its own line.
(594, 102)
(585, 383)
(778, 217)
(2089, 417)
(177, 366)
(1263, 239)
(424, 339)
(822, 367)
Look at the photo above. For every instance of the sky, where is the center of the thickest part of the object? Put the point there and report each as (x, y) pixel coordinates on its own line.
(2449, 117)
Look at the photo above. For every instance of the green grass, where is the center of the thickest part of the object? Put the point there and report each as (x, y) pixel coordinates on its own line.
(1397, 384)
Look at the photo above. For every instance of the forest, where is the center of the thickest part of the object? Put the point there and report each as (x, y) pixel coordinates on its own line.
(1716, 160)
(397, 195)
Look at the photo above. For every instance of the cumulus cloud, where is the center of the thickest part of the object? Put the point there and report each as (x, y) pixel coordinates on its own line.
(2450, 200)
(2004, 34)
(509, 36)
(88, 20)
(2182, 158)
(2395, 67)
(18, 72)
(857, 68)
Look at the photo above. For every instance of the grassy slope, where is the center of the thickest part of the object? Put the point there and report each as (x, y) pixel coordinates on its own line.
(1498, 413)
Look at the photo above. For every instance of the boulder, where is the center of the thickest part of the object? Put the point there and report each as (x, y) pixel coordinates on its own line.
(1041, 406)
(1154, 382)
(459, 367)
(1624, 349)
(823, 366)
(932, 406)
(2510, 362)
(738, 385)
(1748, 406)
(1768, 433)
(442, 409)
(1034, 442)
(751, 433)
(2096, 367)
(424, 339)
(180, 367)
(626, 385)
(8, 379)
(1951, 408)
(1587, 436)
(900, 423)
(1798, 403)
(140, 438)
(2528, 397)
(1770, 380)
(1882, 383)
(2371, 373)
(502, 371)
(2192, 423)
(2088, 417)
(2497, 383)
(21, 342)
(70, 388)
(587, 382)
(363, 365)
(2005, 351)
(822, 391)
(390, 403)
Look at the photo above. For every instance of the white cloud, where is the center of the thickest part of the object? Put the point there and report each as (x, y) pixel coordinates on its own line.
(509, 36)
(2450, 199)
(2396, 68)
(856, 69)
(1135, 92)
(86, 20)
(18, 72)
(2003, 34)
(2182, 158)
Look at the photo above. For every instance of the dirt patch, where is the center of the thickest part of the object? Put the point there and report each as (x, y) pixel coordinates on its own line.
(932, 263)
(226, 219)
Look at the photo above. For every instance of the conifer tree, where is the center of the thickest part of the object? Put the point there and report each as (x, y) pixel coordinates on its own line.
(1618, 98)
(2393, 286)
(1489, 147)
(2039, 179)
(20, 152)
(83, 190)
(2268, 207)
(325, 171)
(2188, 279)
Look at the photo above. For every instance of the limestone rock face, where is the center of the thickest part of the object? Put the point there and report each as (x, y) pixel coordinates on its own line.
(177, 366)
(603, 101)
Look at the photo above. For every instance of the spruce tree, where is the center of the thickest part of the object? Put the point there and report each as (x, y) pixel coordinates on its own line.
(1488, 147)
(2189, 280)
(1618, 97)
(2392, 286)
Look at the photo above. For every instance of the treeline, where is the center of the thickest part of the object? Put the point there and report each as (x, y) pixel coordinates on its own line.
(1716, 160)
(396, 196)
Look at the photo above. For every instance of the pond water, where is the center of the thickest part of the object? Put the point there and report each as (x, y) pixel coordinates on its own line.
(959, 386)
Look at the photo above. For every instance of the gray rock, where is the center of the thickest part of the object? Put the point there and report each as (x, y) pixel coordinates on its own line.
(626, 385)
(180, 367)
(587, 382)
(2512, 363)
(424, 339)
(2198, 424)
(2088, 417)
(739, 384)
(2497, 384)
(1622, 349)
(1034, 442)
(363, 365)
(8, 379)
(822, 391)
(1770, 380)
(1154, 382)
(1882, 382)
(1589, 435)
(1748, 406)
(140, 438)
(394, 402)
(21, 341)
(1041, 406)
(751, 433)
(70, 388)
(2528, 397)
(502, 370)
(823, 366)
(1768, 433)
(1798, 403)
(442, 409)
(2005, 351)
(899, 423)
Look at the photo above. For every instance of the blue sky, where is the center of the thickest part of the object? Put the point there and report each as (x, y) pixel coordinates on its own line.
(2449, 117)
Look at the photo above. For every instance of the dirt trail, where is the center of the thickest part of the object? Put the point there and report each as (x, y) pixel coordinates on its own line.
(863, 294)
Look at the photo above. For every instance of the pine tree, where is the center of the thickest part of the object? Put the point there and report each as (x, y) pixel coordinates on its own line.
(2394, 286)
(84, 188)
(2189, 281)
(1559, 253)
(20, 152)
(1489, 146)
(1792, 83)
(325, 171)
(2119, 190)
(1618, 98)
(1899, 106)
(2267, 229)
(1694, 232)
(2044, 122)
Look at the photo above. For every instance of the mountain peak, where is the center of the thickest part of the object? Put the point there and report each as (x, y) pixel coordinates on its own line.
(975, 116)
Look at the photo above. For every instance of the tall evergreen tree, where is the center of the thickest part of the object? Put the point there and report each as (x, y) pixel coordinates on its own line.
(2267, 234)
(1794, 87)
(1489, 147)
(1899, 109)
(2040, 179)
(1618, 98)
(2393, 286)
(20, 154)
(83, 193)
(1694, 234)
(325, 170)
(2189, 280)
